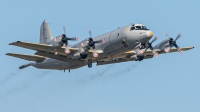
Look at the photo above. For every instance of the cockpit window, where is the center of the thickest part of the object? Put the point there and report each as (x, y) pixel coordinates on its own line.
(144, 27)
(132, 28)
(138, 28)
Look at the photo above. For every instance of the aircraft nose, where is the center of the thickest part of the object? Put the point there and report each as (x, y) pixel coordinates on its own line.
(150, 34)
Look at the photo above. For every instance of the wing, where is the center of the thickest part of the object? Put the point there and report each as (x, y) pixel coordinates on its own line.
(59, 57)
(48, 51)
(149, 52)
(27, 57)
(43, 47)
(148, 55)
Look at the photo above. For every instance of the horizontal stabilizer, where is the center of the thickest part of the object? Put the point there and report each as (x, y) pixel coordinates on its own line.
(25, 65)
(36, 58)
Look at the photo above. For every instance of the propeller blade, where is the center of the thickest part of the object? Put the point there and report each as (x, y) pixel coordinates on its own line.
(166, 34)
(139, 44)
(67, 51)
(178, 48)
(95, 54)
(178, 36)
(175, 45)
(64, 29)
(155, 54)
(82, 45)
(167, 49)
(90, 33)
(141, 51)
(98, 41)
(73, 38)
(154, 39)
(181, 51)
(149, 45)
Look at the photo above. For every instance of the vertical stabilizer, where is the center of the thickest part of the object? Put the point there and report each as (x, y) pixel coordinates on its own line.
(45, 33)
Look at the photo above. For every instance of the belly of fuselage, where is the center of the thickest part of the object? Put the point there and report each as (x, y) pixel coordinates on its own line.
(56, 64)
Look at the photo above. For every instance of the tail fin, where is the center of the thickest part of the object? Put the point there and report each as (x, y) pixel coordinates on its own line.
(45, 33)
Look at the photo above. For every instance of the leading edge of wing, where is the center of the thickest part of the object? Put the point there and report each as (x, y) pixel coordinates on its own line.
(149, 52)
(42, 47)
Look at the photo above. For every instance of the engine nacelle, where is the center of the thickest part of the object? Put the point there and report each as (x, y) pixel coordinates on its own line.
(57, 41)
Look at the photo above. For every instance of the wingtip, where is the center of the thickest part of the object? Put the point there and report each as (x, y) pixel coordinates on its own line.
(14, 42)
(9, 54)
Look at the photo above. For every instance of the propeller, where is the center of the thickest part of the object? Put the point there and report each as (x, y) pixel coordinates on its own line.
(150, 44)
(172, 42)
(142, 50)
(65, 40)
(91, 42)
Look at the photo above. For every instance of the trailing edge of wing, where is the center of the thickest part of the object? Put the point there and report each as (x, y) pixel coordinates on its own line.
(27, 57)
(118, 61)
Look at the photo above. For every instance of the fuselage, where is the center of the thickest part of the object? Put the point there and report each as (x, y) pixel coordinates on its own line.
(115, 43)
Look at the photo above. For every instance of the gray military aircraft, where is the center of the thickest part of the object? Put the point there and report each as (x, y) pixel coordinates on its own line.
(130, 43)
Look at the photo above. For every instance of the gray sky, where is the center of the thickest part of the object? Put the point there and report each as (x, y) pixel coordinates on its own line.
(168, 83)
